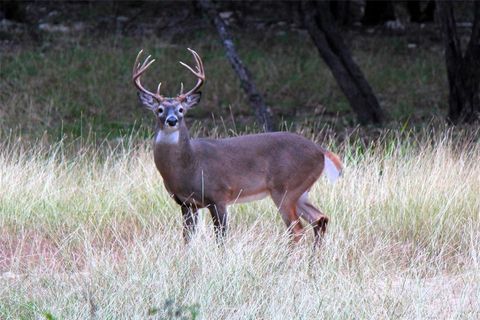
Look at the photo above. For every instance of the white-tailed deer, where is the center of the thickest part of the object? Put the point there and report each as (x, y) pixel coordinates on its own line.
(214, 173)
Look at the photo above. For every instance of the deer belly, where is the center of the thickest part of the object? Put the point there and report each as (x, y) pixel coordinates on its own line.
(248, 197)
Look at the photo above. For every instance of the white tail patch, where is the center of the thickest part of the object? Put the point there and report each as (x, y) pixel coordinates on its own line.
(331, 170)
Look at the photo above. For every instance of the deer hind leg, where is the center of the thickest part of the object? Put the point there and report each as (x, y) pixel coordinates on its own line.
(190, 219)
(219, 217)
(314, 216)
(288, 211)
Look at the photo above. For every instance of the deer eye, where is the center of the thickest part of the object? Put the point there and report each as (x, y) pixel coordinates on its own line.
(160, 110)
(180, 110)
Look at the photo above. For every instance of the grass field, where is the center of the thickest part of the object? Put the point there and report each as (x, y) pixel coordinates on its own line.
(88, 231)
(74, 84)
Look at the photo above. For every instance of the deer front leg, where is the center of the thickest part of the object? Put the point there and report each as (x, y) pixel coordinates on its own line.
(219, 217)
(190, 218)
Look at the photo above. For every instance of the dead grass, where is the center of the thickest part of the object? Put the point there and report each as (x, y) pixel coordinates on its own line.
(89, 231)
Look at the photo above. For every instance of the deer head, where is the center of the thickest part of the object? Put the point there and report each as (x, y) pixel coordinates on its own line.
(168, 111)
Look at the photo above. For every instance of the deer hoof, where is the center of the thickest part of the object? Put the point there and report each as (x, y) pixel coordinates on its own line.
(322, 224)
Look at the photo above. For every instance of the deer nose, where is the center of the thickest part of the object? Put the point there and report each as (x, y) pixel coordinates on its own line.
(172, 121)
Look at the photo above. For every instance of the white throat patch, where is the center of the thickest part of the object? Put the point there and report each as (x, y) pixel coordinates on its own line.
(168, 137)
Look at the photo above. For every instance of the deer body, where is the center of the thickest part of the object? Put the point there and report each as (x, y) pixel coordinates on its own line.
(214, 173)
(249, 166)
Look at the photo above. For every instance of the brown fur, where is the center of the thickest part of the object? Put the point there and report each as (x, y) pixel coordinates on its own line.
(214, 173)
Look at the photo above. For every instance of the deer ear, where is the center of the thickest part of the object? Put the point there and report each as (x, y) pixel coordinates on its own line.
(191, 100)
(147, 100)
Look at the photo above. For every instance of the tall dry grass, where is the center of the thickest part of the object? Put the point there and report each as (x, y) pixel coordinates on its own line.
(88, 231)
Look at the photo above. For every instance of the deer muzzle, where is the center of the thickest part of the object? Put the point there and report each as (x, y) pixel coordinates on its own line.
(171, 121)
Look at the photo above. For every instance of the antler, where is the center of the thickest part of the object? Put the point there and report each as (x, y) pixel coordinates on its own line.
(138, 70)
(200, 74)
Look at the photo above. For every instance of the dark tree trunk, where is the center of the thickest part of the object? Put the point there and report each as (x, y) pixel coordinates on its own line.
(13, 10)
(254, 97)
(378, 12)
(327, 38)
(341, 11)
(463, 69)
(417, 14)
(414, 10)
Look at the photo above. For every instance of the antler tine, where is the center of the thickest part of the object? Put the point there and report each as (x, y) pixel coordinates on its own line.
(188, 67)
(199, 65)
(142, 67)
(198, 60)
(138, 70)
(136, 64)
(200, 74)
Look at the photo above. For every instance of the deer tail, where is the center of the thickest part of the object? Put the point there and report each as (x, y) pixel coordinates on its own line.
(333, 166)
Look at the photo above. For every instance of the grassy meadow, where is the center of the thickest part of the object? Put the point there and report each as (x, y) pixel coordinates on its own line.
(77, 84)
(88, 231)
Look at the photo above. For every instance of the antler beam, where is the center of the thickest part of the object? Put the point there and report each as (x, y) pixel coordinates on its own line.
(199, 73)
(138, 70)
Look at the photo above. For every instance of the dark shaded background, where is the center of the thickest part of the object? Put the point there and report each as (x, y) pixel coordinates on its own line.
(65, 67)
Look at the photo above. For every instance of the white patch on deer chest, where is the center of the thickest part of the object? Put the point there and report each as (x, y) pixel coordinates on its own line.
(164, 136)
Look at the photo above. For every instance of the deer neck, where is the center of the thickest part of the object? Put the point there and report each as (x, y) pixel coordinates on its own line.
(173, 152)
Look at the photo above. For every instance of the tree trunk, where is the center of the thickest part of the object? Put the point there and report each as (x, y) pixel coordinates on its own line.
(13, 10)
(336, 55)
(463, 70)
(341, 12)
(417, 14)
(378, 12)
(254, 97)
